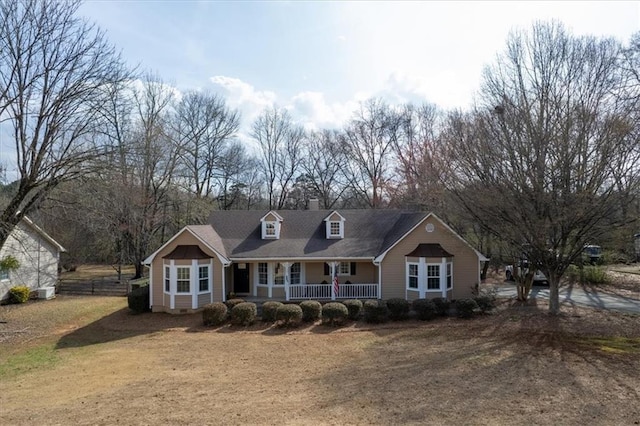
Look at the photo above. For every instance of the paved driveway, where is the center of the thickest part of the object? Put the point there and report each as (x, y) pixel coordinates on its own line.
(576, 296)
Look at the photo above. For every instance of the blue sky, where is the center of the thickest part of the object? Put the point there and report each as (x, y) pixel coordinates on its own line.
(320, 58)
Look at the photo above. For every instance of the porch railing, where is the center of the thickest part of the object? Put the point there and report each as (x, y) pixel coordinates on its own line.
(324, 291)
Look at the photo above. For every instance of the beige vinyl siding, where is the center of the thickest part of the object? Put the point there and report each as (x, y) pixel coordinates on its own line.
(263, 292)
(157, 271)
(465, 262)
(314, 272)
(366, 273)
(204, 299)
(183, 301)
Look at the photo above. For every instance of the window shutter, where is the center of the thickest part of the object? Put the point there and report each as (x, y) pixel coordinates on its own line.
(326, 269)
(353, 268)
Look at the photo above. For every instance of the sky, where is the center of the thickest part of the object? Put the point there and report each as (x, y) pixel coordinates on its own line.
(320, 59)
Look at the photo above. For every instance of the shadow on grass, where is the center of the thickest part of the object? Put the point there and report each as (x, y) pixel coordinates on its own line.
(123, 324)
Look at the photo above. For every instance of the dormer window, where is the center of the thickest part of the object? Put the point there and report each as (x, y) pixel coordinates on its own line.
(335, 226)
(335, 229)
(271, 223)
(270, 229)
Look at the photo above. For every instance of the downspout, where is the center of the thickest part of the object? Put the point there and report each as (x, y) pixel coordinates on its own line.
(379, 265)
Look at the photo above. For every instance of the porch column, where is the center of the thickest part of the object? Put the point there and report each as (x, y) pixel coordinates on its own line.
(422, 277)
(195, 283)
(173, 284)
(286, 266)
(256, 278)
(271, 274)
(443, 277)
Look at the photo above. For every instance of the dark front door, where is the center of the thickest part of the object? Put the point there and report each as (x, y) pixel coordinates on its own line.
(241, 278)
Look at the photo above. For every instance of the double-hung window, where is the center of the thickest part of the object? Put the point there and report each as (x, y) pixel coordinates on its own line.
(263, 273)
(183, 279)
(433, 277)
(167, 279)
(412, 276)
(344, 268)
(278, 277)
(203, 278)
(449, 278)
(295, 273)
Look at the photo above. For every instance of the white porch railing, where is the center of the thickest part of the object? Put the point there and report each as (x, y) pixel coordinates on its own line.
(323, 291)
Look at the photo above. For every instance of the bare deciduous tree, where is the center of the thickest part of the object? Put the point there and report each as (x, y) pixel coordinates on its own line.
(369, 139)
(534, 163)
(203, 125)
(323, 166)
(53, 69)
(280, 141)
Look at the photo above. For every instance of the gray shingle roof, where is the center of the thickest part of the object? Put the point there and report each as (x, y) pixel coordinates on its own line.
(367, 233)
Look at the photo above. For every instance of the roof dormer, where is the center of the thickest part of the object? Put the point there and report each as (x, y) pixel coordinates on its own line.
(335, 226)
(271, 224)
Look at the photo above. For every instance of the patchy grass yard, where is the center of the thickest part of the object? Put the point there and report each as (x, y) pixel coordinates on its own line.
(89, 361)
(88, 272)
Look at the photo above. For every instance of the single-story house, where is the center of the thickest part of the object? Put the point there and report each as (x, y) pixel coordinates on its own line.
(312, 254)
(38, 254)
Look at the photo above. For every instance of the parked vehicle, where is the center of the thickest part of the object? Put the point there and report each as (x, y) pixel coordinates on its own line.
(523, 268)
(592, 254)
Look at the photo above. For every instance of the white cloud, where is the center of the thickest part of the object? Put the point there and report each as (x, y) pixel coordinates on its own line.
(243, 96)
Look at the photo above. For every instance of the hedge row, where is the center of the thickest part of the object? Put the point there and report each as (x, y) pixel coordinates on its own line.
(337, 313)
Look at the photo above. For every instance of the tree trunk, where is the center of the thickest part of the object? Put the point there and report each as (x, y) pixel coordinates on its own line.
(139, 270)
(554, 295)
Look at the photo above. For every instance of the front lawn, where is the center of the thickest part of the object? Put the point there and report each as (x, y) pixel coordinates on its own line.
(102, 365)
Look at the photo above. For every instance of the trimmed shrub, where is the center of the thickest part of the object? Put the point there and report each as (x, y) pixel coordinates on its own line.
(334, 313)
(138, 299)
(398, 309)
(20, 294)
(311, 310)
(354, 307)
(376, 311)
(289, 315)
(244, 313)
(233, 302)
(269, 310)
(425, 309)
(214, 313)
(486, 302)
(465, 308)
(594, 275)
(442, 306)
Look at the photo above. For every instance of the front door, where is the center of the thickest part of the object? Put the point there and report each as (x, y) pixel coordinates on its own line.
(241, 278)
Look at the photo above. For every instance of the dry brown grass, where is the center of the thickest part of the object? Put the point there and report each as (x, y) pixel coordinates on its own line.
(517, 366)
(88, 272)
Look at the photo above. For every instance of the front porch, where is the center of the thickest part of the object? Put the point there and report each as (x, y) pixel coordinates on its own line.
(294, 281)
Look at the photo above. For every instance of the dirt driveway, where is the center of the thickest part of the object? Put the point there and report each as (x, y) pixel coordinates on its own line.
(517, 366)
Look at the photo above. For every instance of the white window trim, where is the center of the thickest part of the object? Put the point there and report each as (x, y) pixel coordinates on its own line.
(448, 274)
(276, 228)
(427, 276)
(344, 274)
(257, 278)
(189, 268)
(417, 265)
(271, 274)
(164, 278)
(208, 267)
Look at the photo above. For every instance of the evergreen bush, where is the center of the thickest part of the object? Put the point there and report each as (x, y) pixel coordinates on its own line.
(244, 313)
(214, 313)
(311, 310)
